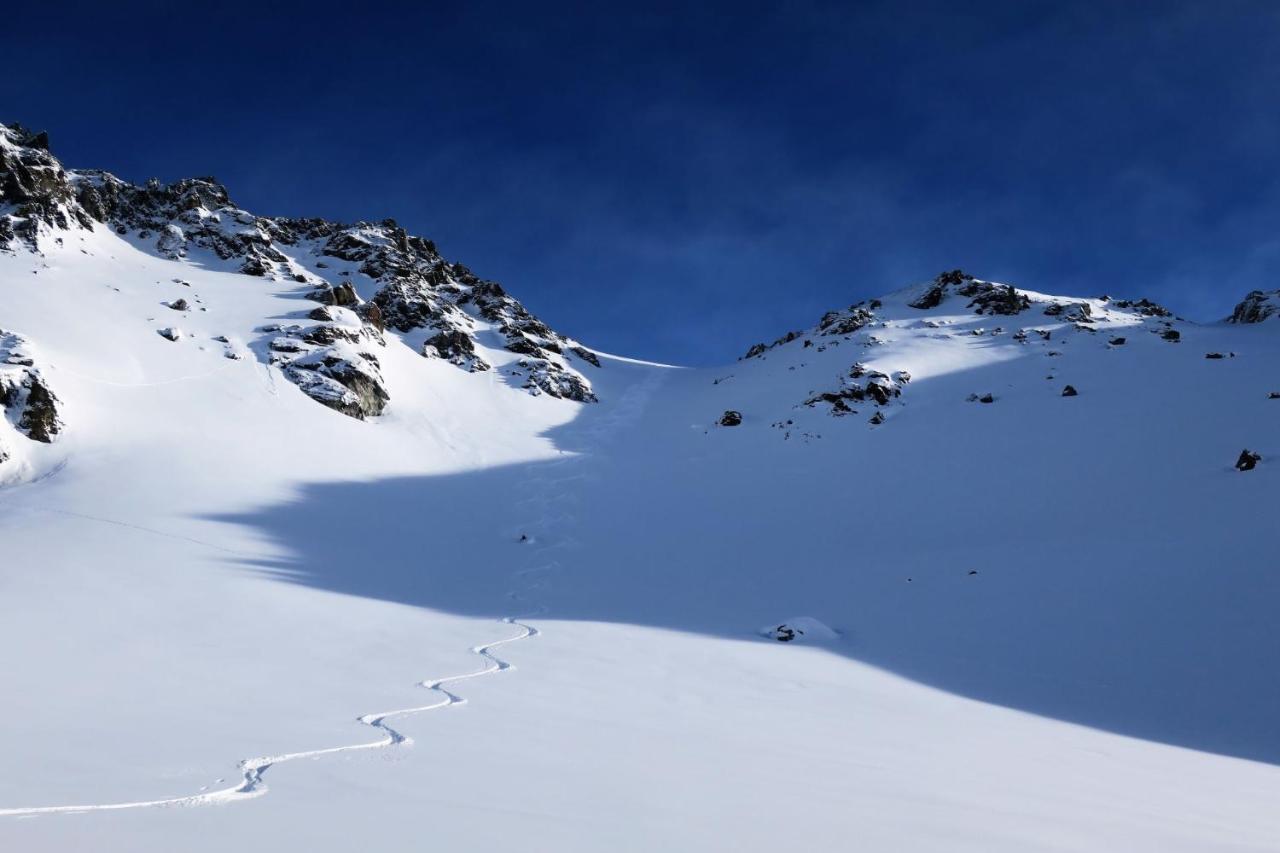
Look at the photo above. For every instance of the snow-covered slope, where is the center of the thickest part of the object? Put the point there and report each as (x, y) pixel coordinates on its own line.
(1011, 618)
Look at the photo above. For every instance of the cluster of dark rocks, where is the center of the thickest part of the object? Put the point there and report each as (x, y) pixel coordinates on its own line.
(984, 297)
(25, 397)
(832, 324)
(861, 385)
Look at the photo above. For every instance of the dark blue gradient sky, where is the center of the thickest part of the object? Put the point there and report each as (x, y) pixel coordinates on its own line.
(678, 181)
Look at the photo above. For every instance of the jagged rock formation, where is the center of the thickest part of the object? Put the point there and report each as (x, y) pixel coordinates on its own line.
(25, 396)
(1256, 307)
(407, 285)
(1248, 460)
(986, 297)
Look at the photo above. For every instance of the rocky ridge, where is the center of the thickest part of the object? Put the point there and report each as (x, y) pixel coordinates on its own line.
(953, 303)
(375, 275)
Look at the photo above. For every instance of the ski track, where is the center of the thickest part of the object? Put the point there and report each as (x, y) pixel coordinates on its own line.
(252, 784)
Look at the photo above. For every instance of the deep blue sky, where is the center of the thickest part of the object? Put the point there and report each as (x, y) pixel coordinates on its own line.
(678, 181)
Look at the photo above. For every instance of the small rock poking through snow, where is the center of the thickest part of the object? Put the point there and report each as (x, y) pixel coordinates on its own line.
(799, 628)
(1248, 460)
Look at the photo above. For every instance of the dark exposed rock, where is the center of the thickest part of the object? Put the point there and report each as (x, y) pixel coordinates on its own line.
(170, 333)
(952, 277)
(179, 305)
(730, 418)
(984, 297)
(254, 266)
(341, 295)
(1145, 307)
(373, 316)
(1257, 306)
(1071, 312)
(1070, 391)
(1214, 355)
(877, 418)
(1248, 460)
(455, 347)
(1172, 335)
(39, 419)
(786, 633)
(322, 314)
(931, 298)
(842, 322)
(990, 298)
(937, 291)
(324, 335)
(346, 382)
(586, 355)
(1117, 342)
(25, 396)
(543, 376)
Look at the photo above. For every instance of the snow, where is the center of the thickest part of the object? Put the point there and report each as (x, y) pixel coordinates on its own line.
(1046, 623)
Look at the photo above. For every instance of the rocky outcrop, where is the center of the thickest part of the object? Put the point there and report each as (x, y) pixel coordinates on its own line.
(25, 396)
(456, 348)
(984, 297)
(1142, 307)
(730, 418)
(1248, 460)
(1257, 307)
(861, 385)
(1070, 312)
(333, 361)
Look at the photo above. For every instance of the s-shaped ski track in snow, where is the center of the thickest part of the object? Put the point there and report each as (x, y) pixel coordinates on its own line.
(252, 770)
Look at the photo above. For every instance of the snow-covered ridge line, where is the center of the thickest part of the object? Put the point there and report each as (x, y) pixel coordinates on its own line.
(957, 291)
(919, 331)
(387, 278)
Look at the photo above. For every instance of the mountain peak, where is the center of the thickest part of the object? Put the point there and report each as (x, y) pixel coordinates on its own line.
(376, 272)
